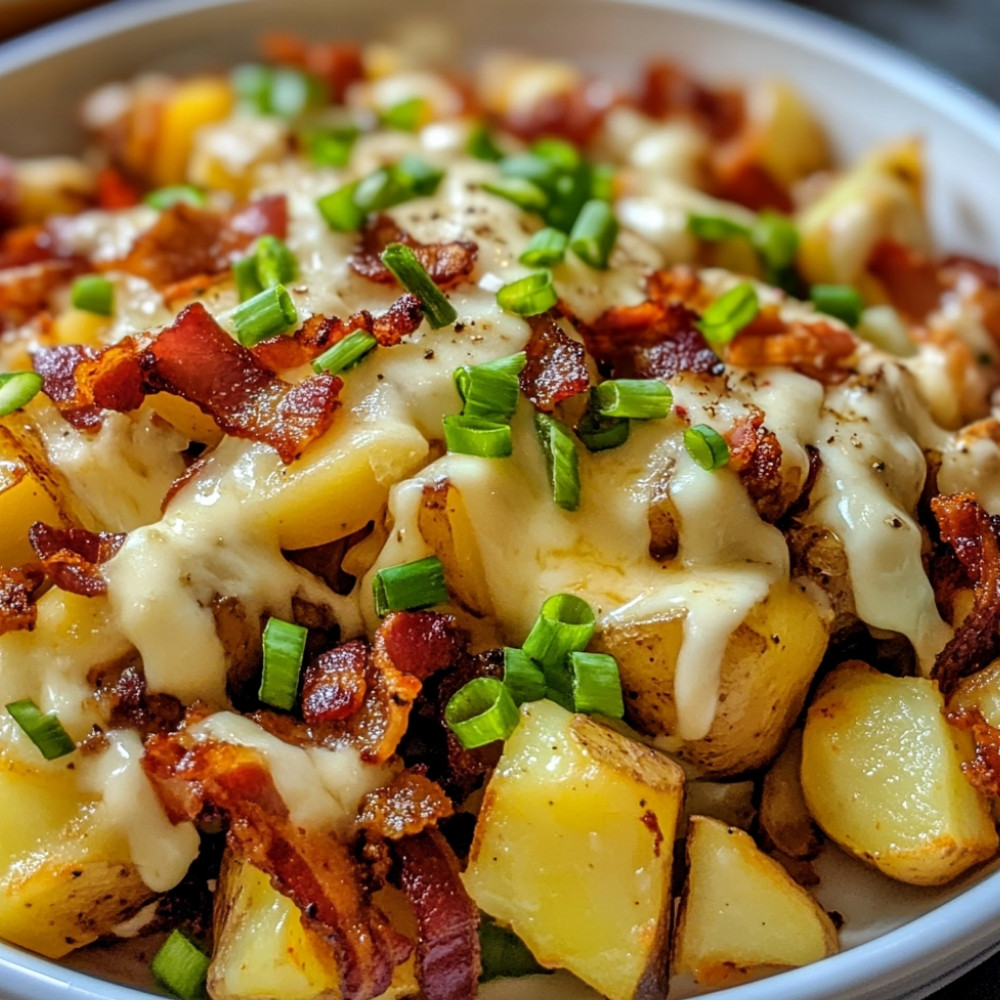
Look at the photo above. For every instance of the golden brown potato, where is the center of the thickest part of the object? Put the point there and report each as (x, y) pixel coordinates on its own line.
(766, 670)
(783, 813)
(741, 914)
(573, 850)
(882, 775)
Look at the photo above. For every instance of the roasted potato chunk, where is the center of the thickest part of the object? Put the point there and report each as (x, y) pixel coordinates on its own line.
(783, 812)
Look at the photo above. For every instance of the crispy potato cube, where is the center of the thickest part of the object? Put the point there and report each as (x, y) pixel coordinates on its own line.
(766, 671)
(192, 105)
(882, 775)
(783, 812)
(573, 850)
(741, 914)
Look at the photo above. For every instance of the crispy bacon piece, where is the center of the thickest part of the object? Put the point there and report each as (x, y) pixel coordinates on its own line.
(574, 114)
(58, 367)
(556, 367)
(315, 870)
(408, 805)
(120, 691)
(334, 685)
(448, 962)
(72, 556)
(337, 64)
(26, 290)
(115, 191)
(420, 642)
(972, 535)
(912, 281)
(669, 92)
(983, 772)
(187, 242)
(18, 589)
(446, 263)
(755, 456)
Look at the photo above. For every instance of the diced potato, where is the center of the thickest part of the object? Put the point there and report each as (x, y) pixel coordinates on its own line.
(263, 951)
(741, 914)
(882, 775)
(573, 850)
(783, 812)
(52, 185)
(766, 671)
(190, 106)
(77, 326)
(186, 418)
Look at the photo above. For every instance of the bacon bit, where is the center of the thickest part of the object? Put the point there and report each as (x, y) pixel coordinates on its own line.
(972, 535)
(420, 643)
(57, 366)
(120, 690)
(315, 870)
(574, 114)
(71, 556)
(755, 456)
(446, 263)
(25, 291)
(18, 591)
(669, 92)
(334, 684)
(448, 962)
(405, 807)
(556, 368)
(911, 281)
(983, 773)
(738, 177)
(115, 191)
(337, 64)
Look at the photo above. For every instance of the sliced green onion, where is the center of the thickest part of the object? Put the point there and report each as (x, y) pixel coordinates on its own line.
(561, 460)
(713, 228)
(276, 264)
(409, 586)
(728, 314)
(408, 115)
(410, 273)
(706, 446)
(251, 82)
(481, 712)
(539, 171)
(345, 354)
(841, 301)
(490, 390)
(93, 294)
(563, 154)
(292, 93)
(419, 176)
(476, 436)
(382, 188)
(329, 146)
(339, 209)
(776, 238)
(601, 433)
(43, 729)
(596, 684)
(17, 389)
(503, 954)
(181, 966)
(565, 624)
(640, 399)
(545, 249)
(175, 194)
(481, 146)
(523, 677)
(568, 197)
(602, 182)
(284, 648)
(529, 296)
(267, 314)
(521, 192)
(594, 233)
(245, 274)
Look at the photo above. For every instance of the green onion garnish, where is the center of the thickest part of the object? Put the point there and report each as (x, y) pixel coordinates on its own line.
(345, 354)
(728, 314)
(410, 273)
(245, 274)
(17, 389)
(329, 146)
(523, 677)
(596, 684)
(713, 228)
(409, 586)
(43, 729)
(251, 83)
(408, 115)
(594, 233)
(284, 648)
(481, 712)
(475, 436)
(541, 172)
(706, 446)
(93, 294)
(640, 399)
(276, 264)
(565, 624)
(563, 154)
(841, 301)
(776, 238)
(418, 176)
(545, 249)
(568, 197)
(503, 954)
(292, 93)
(529, 296)
(181, 966)
(521, 192)
(339, 209)
(602, 182)
(382, 188)
(490, 390)
(601, 433)
(175, 194)
(267, 314)
(561, 460)
(481, 146)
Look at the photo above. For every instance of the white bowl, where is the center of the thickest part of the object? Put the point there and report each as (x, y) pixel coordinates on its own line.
(910, 942)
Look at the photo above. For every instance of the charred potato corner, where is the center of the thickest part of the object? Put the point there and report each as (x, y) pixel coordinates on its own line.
(455, 529)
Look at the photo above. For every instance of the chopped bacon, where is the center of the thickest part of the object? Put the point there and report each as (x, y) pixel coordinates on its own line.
(983, 772)
(421, 643)
(755, 456)
(668, 92)
(446, 263)
(337, 64)
(314, 869)
(408, 805)
(973, 536)
(556, 367)
(72, 556)
(574, 114)
(120, 691)
(738, 177)
(25, 291)
(912, 281)
(448, 962)
(115, 191)
(334, 687)
(187, 242)
(18, 590)
(57, 366)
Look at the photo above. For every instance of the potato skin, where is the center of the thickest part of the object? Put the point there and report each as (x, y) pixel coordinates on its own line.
(766, 671)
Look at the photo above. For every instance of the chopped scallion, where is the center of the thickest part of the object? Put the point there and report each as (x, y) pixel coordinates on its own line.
(536, 169)
(419, 176)
(563, 154)
(639, 399)
(596, 684)
(245, 274)
(329, 146)
(410, 273)
(382, 188)
(409, 586)
(175, 194)
(284, 648)
(601, 433)
(561, 460)
(276, 264)
(713, 228)
(339, 210)
(481, 146)
(93, 294)
(594, 233)
(43, 729)
(776, 238)
(564, 624)
(251, 82)
(181, 966)
(345, 354)
(841, 301)
(568, 196)
(728, 314)
(706, 446)
(545, 249)
(292, 93)
(490, 390)
(521, 192)
(408, 115)
(602, 182)
(529, 296)
(523, 677)
(267, 314)
(476, 436)
(17, 389)
(481, 712)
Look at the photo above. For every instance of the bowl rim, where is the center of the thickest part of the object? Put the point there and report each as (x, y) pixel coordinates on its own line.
(964, 929)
